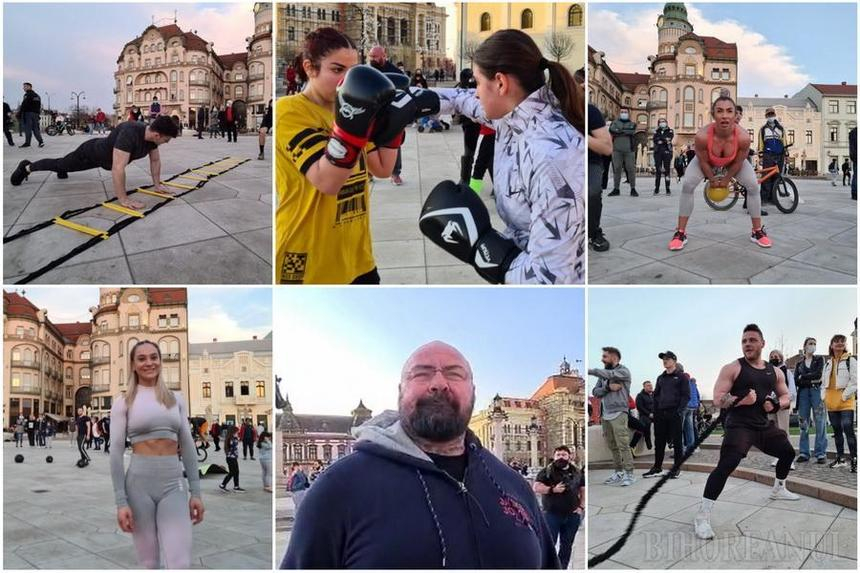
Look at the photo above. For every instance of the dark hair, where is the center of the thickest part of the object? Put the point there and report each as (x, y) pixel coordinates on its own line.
(739, 108)
(579, 75)
(514, 52)
(28, 84)
(612, 350)
(807, 339)
(318, 44)
(561, 449)
(724, 96)
(836, 338)
(261, 437)
(164, 125)
(646, 382)
(753, 328)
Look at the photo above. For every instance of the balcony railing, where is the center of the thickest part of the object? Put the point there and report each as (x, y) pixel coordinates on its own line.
(256, 76)
(99, 388)
(26, 390)
(655, 105)
(255, 98)
(249, 400)
(198, 99)
(100, 360)
(172, 357)
(25, 364)
(198, 82)
(174, 385)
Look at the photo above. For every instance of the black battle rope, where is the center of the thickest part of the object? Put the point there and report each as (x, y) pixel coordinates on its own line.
(118, 226)
(619, 543)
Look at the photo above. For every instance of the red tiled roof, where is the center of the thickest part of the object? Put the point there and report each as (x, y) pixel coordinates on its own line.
(74, 330)
(836, 89)
(14, 303)
(632, 79)
(168, 295)
(191, 40)
(229, 59)
(556, 382)
(714, 47)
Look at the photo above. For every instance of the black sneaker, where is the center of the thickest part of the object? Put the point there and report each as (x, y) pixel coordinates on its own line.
(822, 460)
(239, 489)
(62, 175)
(668, 192)
(20, 174)
(223, 488)
(674, 474)
(837, 463)
(657, 191)
(633, 193)
(42, 144)
(24, 145)
(801, 458)
(653, 472)
(613, 193)
(853, 465)
(763, 213)
(598, 242)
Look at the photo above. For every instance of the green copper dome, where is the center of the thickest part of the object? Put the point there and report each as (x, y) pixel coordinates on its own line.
(675, 10)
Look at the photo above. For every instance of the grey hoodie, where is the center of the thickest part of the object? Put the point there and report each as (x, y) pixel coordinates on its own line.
(612, 403)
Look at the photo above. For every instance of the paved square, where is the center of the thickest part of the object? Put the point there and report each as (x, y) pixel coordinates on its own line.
(218, 234)
(817, 244)
(56, 516)
(403, 254)
(752, 532)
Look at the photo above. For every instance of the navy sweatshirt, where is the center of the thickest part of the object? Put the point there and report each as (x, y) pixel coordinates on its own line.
(382, 507)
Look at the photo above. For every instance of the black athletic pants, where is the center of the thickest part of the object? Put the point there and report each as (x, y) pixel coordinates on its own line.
(84, 455)
(77, 160)
(667, 424)
(663, 163)
(737, 441)
(233, 472)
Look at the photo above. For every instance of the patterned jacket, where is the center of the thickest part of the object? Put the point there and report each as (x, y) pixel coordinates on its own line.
(538, 176)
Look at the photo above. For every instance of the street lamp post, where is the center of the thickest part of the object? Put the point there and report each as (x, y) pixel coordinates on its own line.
(533, 430)
(497, 417)
(78, 96)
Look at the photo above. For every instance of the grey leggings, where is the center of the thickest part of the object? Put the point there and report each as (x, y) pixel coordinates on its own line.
(693, 176)
(158, 497)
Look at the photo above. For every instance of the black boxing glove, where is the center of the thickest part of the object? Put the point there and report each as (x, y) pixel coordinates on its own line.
(391, 121)
(363, 91)
(400, 81)
(455, 218)
(426, 102)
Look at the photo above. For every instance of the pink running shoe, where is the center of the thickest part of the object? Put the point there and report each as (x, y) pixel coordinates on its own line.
(760, 238)
(678, 241)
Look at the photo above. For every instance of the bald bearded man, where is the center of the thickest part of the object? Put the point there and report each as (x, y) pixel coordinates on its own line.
(420, 491)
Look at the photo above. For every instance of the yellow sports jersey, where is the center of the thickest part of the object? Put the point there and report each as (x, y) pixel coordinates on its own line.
(321, 238)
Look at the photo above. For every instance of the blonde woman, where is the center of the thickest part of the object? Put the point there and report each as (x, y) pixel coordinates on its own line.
(839, 391)
(152, 499)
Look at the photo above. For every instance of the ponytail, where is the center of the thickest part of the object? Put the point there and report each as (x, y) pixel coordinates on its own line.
(569, 94)
(318, 44)
(514, 52)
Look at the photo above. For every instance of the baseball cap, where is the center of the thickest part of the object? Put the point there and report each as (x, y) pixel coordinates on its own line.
(667, 354)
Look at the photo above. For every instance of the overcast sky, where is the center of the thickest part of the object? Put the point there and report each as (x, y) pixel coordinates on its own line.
(781, 47)
(61, 48)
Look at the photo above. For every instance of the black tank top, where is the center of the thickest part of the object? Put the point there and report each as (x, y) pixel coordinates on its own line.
(763, 382)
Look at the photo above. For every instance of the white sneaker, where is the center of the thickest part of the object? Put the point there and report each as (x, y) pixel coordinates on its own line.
(794, 467)
(614, 479)
(702, 525)
(773, 463)
(628, 479)
(782, 493)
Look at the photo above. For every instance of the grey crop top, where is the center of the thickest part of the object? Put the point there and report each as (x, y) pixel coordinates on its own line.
(150, 420)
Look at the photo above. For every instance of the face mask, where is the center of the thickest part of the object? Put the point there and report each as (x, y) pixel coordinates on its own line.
(775, 361)
(662, 125)
(810, 348)
(771, 120)
(560, 464)
(624, 116)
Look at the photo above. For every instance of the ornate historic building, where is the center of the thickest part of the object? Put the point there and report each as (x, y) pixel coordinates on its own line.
(306, 438)
(555, 412)
(412, 33)
(55, 368)
(556, 27)
(802, 122)
(838, 106)
(684, 77)
(184, 72)
(231, 381)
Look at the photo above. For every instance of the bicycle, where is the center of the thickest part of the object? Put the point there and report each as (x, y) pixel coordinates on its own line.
(783, 191)
(202, 446)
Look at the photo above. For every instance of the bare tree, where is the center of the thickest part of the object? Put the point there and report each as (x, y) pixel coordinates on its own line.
(470, 46)
(559, 45)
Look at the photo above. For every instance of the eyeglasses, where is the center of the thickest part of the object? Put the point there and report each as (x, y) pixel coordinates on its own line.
(426, 373)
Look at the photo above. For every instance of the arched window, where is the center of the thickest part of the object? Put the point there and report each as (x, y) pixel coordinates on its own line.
(527, 19)
(574, 16)
(486, 22)
(677, 95)
(240, 91)
(701, 100)
(173, 75)
(689, 106)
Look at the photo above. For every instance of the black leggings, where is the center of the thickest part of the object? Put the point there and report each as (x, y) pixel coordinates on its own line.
(843, 426)
(233, 467)
(595, 196)
(246, 448)
(77, 160)
(667, 425)
(663, 162)
(84, 455)
(484, 158)
(368, 278)
(737, 441)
